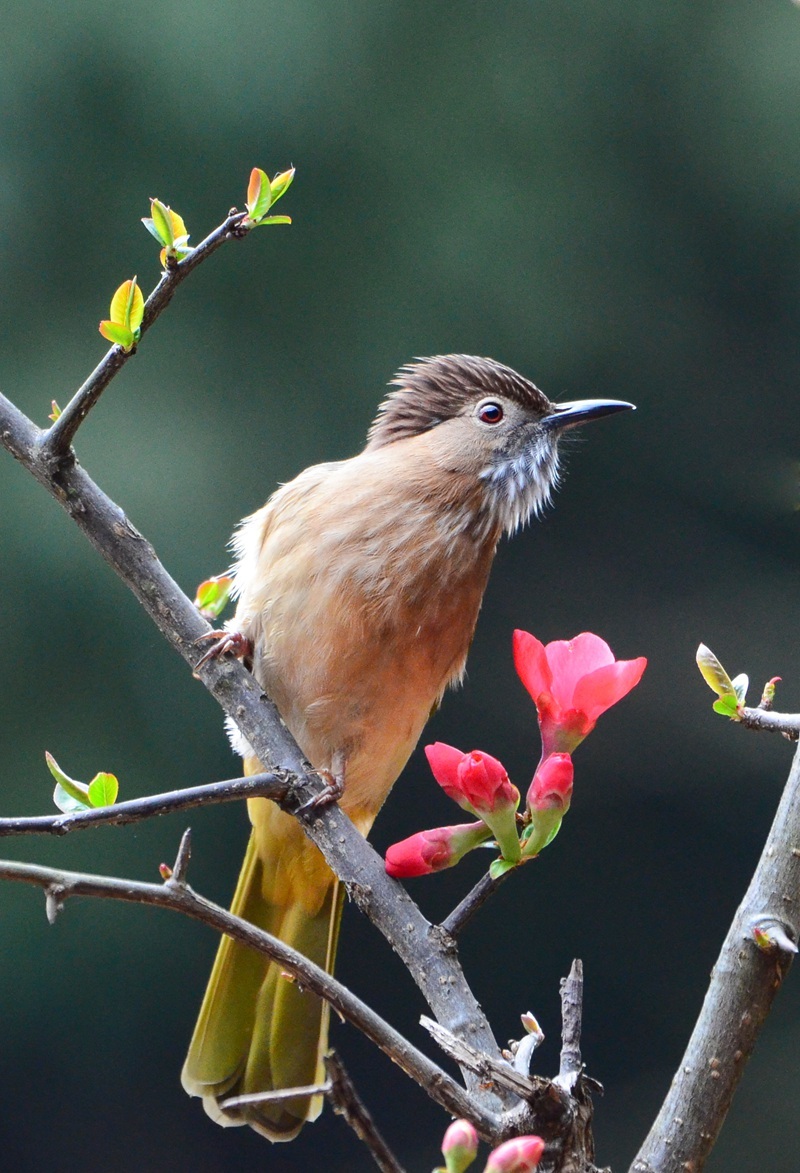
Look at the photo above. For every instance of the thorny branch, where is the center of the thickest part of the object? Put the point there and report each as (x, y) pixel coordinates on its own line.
(175, 894)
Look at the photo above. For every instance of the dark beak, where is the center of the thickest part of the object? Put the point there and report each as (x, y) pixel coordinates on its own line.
(569, 415)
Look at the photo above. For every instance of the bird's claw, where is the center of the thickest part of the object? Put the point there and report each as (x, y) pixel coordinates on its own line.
(227, 643)
(330, 793)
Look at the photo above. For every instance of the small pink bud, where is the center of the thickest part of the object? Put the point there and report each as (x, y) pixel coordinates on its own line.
(476, 781)
(551, 787)
(165, 871)
(520, 1155)
(434, 850)
(460, 1146)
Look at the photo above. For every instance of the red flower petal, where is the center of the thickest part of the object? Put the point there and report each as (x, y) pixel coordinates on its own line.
(569, 660)
(444, 761)
(530, 660)
(601, 689)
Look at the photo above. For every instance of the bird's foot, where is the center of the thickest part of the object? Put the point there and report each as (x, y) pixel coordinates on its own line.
(227, 643)
(330, 793)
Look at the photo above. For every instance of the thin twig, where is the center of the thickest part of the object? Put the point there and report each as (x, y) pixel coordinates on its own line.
(346, 1101)
(463, 913)
(275, 1095)
(571, 1064)
(181, 865)
(272, 786)
(744, 982)
(56, 441)
(440, 1086)
(766, 719)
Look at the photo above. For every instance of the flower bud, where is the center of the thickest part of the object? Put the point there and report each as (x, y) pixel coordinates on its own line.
(520, 1155)
(460, 1146)
(434, 850)
(551, 787)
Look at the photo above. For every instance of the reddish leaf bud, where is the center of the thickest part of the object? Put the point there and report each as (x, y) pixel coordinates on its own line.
(520, 1155)
(460, 1146)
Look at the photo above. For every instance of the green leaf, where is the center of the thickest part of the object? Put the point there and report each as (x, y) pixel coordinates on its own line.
(103, 790)
(274, 220)
(135, 308)
(66, 803)
(118, 334)
(213, 595)
(259, 194)
(162, 222)
(69, 794)
(727, 705)
(281, 184)
(714, 674)
(151, 228)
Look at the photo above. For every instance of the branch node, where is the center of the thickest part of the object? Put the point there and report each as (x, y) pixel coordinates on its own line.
(54, 901)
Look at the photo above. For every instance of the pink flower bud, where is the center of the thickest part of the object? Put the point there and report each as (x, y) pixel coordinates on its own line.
(434, 850)
(476, 781)
(572, 683)
(551, 787)
(520, 1155)
(460, 1146)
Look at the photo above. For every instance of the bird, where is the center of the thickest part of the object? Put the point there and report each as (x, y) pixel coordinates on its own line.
(358, 587)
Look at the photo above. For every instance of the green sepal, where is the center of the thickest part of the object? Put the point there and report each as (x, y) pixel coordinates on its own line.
(499, 867)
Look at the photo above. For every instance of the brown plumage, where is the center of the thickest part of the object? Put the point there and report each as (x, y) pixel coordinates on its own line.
(359, 585)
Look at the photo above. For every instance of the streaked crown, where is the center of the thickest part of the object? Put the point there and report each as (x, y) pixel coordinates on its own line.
(431, 390)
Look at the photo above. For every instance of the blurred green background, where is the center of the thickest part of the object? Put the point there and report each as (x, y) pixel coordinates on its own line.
(603, 195)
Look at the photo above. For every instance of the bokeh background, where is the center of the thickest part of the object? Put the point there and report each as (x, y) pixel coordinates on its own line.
(604, 195)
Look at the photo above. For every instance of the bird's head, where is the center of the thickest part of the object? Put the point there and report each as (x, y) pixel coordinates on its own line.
(488, 422)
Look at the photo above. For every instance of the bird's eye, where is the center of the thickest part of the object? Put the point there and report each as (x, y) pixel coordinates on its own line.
(490, 412)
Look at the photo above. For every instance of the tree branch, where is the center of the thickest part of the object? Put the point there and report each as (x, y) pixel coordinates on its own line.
(463, 912)
(272, 786)
(59, 885)
(744, 982)
(56, 441)
(765, 719)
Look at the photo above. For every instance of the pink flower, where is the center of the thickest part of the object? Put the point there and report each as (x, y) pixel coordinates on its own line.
(520, 1155)
(572, 682)
(434, 850)
(479, 784)
(551, 788)
(460, 1146)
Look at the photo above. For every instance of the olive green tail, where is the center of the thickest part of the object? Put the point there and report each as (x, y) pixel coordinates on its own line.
(257, 1030)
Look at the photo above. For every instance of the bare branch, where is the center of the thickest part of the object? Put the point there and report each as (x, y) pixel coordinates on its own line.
(347, 1103)
(571, 1064)
(272, 786)
(57, 440)
(59, 885)
(463, 913)
(744, 982)
(786, 723)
